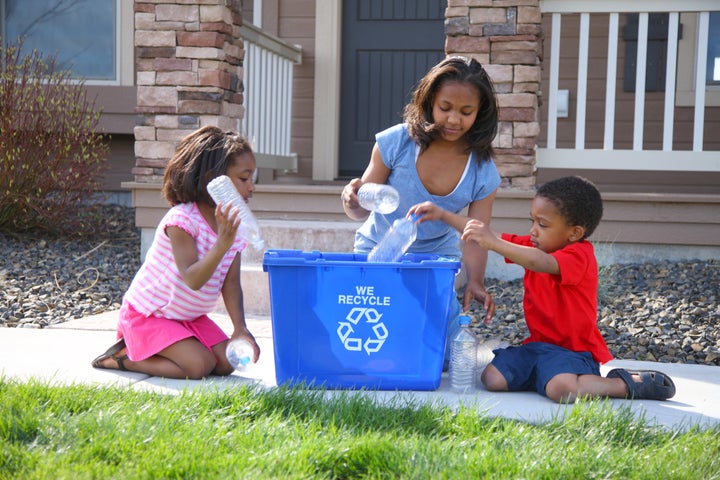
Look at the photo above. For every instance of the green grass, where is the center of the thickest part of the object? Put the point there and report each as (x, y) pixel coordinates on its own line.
(81, 432)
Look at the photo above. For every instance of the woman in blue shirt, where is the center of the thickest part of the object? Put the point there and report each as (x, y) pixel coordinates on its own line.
(442, 153)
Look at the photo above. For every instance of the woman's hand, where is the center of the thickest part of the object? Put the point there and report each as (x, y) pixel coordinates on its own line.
(426, 211)
(349, 194)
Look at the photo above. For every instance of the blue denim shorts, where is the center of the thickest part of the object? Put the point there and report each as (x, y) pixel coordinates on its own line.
(529, 367)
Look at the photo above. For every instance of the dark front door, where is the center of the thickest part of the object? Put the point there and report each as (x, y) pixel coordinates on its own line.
(387, 46)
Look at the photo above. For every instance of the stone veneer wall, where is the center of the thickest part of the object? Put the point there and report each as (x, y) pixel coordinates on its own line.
(189, 74)
(506, 37)
(188, 58)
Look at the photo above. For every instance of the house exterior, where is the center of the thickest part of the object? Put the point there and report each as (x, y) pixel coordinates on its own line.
(569, 77)
(99, 48)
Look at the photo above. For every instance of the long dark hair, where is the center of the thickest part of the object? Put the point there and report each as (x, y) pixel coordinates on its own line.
(201, 156)
(418, 113)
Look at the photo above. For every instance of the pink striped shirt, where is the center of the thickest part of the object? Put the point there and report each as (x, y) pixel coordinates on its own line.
(158, 289)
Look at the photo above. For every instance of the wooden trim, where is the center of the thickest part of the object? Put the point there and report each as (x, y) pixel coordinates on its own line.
(604, 6)
(277, 162)
(642, 218)
(686, 62)
(326, 102)
(270, 42)
(651, 160)
(117, 105)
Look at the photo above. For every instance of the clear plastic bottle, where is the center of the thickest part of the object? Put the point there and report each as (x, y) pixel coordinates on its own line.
(485, 353)
(396, 241)
(222, 190)
(239, 353)
(463, 358)
(378, 197)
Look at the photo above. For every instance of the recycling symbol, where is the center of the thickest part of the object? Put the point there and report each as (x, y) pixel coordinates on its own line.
(371, 344)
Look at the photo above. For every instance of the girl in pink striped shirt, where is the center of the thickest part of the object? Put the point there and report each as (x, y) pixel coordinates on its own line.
(163, 328)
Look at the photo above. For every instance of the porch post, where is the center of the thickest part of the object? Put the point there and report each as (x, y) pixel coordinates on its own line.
(188, 75)
(506, 37)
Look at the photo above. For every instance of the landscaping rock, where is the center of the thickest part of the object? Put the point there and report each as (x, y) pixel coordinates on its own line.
(664, 311)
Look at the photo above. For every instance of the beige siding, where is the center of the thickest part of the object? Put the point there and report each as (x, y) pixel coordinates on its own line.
(117, 104)
(121, 162)
(294, 22)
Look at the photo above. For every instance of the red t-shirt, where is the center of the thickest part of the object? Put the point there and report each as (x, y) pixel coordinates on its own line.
(562, 309)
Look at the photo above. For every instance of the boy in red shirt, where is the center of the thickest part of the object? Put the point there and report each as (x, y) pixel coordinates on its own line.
(561, 357)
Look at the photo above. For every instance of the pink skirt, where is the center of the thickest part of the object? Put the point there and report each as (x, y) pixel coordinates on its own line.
(145, 336)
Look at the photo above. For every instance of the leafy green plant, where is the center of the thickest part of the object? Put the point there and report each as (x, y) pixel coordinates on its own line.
(51, 157)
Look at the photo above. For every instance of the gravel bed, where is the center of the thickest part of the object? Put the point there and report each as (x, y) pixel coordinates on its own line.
(661, 312)
(665, 311)
(46, 280)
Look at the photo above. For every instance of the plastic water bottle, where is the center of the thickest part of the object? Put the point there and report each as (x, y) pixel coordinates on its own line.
(378, 197)
(463, 358)
(485, 353)
(222, 190)
(396, 241)
(239, 353)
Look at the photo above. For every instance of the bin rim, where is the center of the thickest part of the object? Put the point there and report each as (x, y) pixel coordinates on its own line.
(289, 257)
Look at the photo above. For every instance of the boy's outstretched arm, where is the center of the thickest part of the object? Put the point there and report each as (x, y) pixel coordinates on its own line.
(475, 259)
(429, 211)
(529, 257)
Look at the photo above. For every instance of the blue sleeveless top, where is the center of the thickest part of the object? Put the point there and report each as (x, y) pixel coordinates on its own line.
(399, 153)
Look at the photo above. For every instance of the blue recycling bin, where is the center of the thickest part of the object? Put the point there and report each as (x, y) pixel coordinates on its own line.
(341, 322)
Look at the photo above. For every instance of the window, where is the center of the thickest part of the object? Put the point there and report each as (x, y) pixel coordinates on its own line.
(656, 55)
(81, 34)
(713, 54)
(686, 61)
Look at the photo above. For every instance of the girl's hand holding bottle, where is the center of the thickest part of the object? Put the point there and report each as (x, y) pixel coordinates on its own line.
(242, 348)
(228, 222)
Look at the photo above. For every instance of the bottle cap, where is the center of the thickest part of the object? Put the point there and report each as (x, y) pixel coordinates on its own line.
(464, 320)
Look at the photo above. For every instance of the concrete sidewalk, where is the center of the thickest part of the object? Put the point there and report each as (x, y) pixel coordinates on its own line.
(61, 354)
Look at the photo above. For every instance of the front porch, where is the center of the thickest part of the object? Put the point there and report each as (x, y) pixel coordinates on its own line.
(636, 227)
(657, 164)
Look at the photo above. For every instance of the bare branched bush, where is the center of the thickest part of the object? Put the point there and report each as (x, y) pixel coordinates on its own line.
(51, 157)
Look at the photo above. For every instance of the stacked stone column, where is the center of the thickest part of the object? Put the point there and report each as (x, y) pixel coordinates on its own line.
(506, 37)
(189, 74)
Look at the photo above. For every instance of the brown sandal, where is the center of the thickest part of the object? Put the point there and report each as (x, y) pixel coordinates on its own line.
(110, 353)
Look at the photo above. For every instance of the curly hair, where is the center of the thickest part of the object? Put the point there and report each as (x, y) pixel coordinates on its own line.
(418, 113)
(201, 156)
(577, 199)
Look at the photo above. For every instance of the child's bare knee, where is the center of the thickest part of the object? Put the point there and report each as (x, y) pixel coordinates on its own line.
(561, 389)
(493, 379)
(223, 371)
(201, 368)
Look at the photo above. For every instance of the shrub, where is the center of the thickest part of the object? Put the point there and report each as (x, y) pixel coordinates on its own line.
(51, 158)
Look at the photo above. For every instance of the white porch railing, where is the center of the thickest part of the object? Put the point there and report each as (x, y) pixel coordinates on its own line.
(268, 80)
(637, 158)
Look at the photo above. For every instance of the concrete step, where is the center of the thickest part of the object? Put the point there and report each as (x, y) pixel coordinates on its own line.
(323, 236)
(302, 235)
(305, 235)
